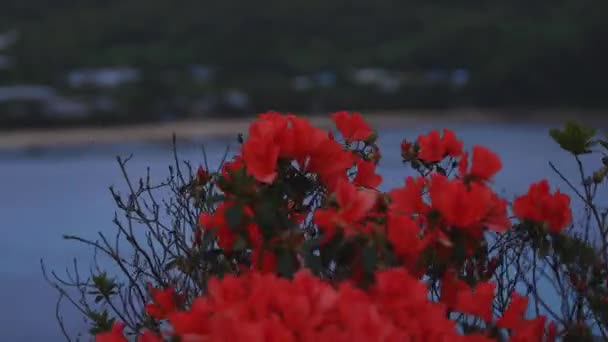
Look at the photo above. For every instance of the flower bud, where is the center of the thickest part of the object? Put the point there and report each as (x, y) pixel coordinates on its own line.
(202, 176)
(406, 150)
(599, 175)
(372, 138)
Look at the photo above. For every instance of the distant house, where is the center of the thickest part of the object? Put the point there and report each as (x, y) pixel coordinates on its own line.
(65, 108)
(102, 77)
(9, 38)
(436, 76)
(236, 99)
(302, 83)
(460, 77)
(326, 79)
(203, 106)
(384, 80)
(202, 73)
(5, 62)
(37, 93)
(38, 100)
(368, 76)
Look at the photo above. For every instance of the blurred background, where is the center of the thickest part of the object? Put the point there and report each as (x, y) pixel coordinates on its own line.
(122, 61)
(187, 66)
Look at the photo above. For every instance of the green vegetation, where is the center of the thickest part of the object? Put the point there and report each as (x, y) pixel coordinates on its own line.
(539, 53)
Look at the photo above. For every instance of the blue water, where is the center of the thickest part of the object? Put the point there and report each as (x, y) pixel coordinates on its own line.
(65, 191)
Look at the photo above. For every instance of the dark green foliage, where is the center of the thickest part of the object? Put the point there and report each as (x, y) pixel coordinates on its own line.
(547, 52)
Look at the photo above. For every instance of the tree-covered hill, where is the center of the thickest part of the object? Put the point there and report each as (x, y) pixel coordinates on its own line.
(518, 51)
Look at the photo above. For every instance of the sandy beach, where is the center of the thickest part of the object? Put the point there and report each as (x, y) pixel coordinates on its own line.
(213, 128)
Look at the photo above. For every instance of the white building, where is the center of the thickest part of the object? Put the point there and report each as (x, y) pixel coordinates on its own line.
(5, 62)
(45, 99)
(103, 77)
(9, 38)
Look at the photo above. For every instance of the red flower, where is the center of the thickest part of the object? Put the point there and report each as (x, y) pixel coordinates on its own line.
(431, 147)
(451, 286)
(260, 157)
(460, 205)
(366, 175)
(497, 218)
(114, 335)
(264, 261)
(485, 163)
(541, 206)
(530, 330)
(163, 302)
(408, 199)
(231, 167)
(227, 235)
(513, 317)
(353, 204)
(330, 161)
(477, 302)
(452, 146)
(352, 126)
(434, 148)
(405, 237)
(406, 150)
(202, 175)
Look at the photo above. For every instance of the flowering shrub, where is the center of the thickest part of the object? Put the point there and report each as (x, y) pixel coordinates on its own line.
(293, 241)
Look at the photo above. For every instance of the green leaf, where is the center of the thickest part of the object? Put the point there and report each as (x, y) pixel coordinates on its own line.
(234, 217)
(369, 258)
(101, 322)
(574, 138)
(286, 265)
(239, 244)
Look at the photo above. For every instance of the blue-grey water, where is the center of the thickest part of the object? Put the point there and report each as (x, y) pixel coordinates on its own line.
(47, 193)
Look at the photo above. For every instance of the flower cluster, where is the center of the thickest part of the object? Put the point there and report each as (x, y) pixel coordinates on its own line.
(332, 257)
(395, 308)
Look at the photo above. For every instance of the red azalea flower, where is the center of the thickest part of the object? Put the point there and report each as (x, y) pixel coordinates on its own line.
(231, 167)
(485, 163)
(530, 330)
(202, 175)
(163, 302)
(353, 204)
(431, 147)
(405, 237)
(366, 176)
(541, 206)
(477, 302)
(260, 157)
(406, 150)
(408, 200)
(114, 335)
(330, 161)
(227, 235)
(513, 317)
(460, 205)
(352, 126)
(452, 146)
(497, 218)
(264, 261)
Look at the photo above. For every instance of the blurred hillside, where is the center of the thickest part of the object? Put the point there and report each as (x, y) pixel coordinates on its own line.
(187, 56)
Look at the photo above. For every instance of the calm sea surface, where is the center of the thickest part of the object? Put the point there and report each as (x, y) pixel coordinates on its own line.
(47, 193)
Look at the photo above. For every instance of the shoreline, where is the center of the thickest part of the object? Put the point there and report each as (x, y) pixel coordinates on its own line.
(220, 128)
